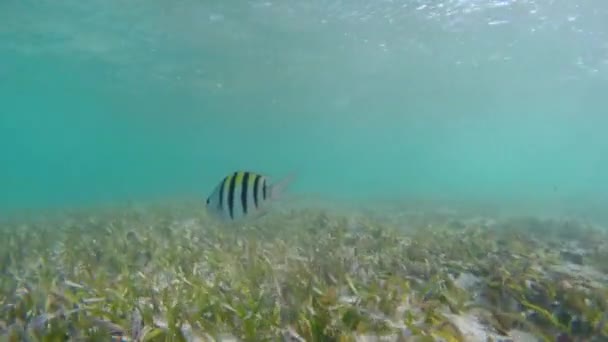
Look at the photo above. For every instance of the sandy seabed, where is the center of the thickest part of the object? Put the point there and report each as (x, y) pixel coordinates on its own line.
(168, 272)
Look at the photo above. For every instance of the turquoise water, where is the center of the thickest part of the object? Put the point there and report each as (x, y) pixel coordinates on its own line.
(470, 101)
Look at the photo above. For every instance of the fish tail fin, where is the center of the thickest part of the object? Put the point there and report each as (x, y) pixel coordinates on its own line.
(277, 189)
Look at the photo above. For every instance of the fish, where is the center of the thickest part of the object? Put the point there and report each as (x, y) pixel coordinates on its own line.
(244, 194)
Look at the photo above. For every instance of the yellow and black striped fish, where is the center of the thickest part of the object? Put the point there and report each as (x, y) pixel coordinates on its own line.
(243, 194)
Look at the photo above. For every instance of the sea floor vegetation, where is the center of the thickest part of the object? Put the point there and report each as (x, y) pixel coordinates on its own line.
(170, 273)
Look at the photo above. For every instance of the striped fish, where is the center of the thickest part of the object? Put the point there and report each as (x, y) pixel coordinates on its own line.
(244, 194)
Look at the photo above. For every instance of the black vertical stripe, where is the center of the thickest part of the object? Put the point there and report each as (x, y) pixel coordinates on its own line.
(264, 189)
(244, 188)
(231, 195)
(221, 204)
(256, 189)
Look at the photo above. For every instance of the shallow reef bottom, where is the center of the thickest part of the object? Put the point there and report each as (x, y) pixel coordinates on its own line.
(170, 273)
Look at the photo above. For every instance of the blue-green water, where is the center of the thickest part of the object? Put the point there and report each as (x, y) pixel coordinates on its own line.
(492, 101)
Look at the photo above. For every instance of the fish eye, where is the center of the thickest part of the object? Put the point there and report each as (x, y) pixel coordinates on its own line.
(207, 201)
